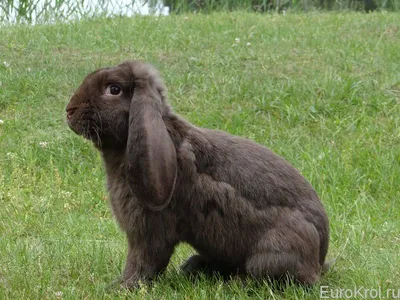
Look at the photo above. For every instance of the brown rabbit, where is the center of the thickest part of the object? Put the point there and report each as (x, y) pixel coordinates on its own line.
(243, 208)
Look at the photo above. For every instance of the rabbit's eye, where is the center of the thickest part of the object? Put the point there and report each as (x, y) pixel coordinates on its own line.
(113, 89)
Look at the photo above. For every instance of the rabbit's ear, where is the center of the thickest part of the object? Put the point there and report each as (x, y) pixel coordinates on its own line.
(151, 155)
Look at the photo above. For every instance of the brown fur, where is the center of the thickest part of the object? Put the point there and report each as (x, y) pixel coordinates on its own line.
(242, 207)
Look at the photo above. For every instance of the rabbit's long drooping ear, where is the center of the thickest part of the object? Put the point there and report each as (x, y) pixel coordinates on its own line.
(152, 162)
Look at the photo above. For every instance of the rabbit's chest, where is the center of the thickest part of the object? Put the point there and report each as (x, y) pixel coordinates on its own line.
(123, 203)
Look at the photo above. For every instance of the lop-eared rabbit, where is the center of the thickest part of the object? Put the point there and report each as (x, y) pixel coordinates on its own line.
(243, 208)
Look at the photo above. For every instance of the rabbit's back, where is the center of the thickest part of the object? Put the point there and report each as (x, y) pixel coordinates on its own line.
(252, 170)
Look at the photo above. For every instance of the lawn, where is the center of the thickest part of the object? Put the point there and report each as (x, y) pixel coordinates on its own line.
(321, 90)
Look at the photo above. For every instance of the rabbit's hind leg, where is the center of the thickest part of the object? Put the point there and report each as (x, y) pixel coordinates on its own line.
(283, 253)
(197, 264)
(277, 266)
(194, 264)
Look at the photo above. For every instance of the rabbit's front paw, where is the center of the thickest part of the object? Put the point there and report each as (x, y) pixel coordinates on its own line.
(123, 283)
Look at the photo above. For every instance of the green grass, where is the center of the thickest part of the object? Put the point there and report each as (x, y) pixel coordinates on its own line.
(322, 90)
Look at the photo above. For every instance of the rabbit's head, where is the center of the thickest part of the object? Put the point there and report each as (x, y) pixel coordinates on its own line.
(99, 109)
(122, 109)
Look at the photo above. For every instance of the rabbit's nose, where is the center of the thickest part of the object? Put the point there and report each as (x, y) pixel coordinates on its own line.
(70, 112)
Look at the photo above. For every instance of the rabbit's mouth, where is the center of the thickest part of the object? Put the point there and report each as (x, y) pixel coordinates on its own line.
(83, 122)
(98, 128)
(86, 129)
(100, 136)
